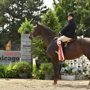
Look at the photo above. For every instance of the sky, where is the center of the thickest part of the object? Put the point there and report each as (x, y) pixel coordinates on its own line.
(48, 3)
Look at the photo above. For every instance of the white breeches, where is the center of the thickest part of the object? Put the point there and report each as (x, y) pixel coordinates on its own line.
(64, 38)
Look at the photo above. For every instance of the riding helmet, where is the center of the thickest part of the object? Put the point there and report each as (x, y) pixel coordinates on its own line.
(70, 14)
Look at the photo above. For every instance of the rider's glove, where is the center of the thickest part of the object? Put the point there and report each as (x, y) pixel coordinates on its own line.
(60, 34)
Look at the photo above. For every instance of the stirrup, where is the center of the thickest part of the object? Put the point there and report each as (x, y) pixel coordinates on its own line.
(65, 45)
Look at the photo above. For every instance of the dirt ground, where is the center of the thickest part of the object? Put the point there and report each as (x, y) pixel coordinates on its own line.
(33, 84)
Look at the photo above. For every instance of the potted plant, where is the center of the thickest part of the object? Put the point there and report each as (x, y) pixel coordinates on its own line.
(47, 69)
(24, 69)
(67, 73)
(25, 27)
(70, 73)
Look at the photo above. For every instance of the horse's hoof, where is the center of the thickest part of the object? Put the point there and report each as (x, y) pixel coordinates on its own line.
(54, 83)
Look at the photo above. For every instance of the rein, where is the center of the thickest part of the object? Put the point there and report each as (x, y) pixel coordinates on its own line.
(49, 36)
(45, 36)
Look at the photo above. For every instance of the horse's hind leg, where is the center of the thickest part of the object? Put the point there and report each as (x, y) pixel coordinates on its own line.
(88, 56)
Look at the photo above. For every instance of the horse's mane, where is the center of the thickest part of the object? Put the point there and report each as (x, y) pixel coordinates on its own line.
(47, 28)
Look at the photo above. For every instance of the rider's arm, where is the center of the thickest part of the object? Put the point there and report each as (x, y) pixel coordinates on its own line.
(66, 27)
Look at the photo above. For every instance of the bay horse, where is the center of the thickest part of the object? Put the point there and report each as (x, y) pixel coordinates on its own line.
(73, 50)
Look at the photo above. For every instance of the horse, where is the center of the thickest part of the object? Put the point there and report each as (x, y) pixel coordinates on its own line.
(73, 50)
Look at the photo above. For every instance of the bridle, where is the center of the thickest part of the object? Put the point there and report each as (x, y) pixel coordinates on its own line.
(31, 35)
(50, 36)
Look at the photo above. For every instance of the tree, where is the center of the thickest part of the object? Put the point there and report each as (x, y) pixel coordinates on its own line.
(13, 13)
(80, 8)
(49, 19)
(85, 16)
(39, 49)
(62, 8)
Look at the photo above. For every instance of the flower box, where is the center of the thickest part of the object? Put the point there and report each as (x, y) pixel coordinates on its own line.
(68, 77)
(48, 77)
(71, 73)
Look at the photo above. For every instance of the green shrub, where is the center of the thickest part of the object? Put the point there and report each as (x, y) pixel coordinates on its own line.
(10, 72)
(2, 70)
(47, 68)
(23, 67)
(14, 71)
(37, 73)
(1, 75)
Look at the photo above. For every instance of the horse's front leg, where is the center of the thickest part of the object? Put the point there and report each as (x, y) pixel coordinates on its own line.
(56, 70)
(56, 77)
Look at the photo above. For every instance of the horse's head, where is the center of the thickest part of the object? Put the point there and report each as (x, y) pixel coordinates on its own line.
(35, 32)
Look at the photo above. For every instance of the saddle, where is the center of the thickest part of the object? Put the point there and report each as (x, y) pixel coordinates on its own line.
(73, 39)
(65, 43)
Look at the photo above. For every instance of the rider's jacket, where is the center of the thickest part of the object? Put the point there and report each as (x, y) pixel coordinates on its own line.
(69, 29)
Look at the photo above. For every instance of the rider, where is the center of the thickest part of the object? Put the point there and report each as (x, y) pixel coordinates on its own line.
(68, 31)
